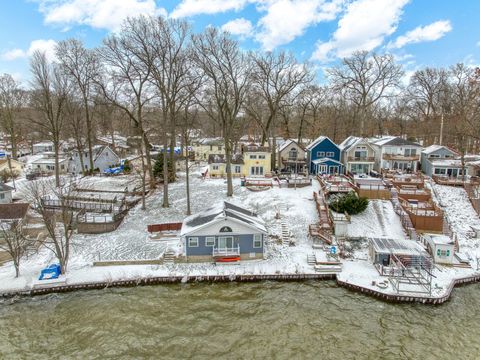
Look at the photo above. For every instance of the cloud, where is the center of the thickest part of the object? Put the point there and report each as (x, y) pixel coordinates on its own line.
(287, 19)
(241, 27)
(100, 14)
(363, 26)
(13, 54)
(47, 46)
(196, 7)
(431, 32)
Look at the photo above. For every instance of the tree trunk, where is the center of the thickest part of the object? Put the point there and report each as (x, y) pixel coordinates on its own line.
(187, 173)
(89, 133)
(228, 155)
(56, 146)
(148, 158)
(165, 171)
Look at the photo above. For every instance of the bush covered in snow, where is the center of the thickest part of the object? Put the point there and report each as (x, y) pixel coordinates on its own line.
(350, 203)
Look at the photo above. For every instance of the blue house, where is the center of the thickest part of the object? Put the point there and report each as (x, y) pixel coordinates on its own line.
(224, 232)
(323, 157)
(441, 161)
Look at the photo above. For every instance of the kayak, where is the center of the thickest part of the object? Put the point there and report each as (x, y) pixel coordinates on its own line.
(228, 259)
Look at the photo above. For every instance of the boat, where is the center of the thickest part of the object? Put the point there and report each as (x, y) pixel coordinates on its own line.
(228, 259)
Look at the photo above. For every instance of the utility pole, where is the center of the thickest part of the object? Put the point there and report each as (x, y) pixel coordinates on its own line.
(441, 130)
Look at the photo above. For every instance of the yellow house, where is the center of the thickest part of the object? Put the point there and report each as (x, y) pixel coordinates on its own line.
(217, 165)
(17, 166)
(206, 147)
(257, 161)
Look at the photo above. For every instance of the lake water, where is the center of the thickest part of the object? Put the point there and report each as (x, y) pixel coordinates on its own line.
(304, 320)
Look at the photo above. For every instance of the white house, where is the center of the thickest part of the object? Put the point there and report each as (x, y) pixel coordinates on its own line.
(395, 153)
(5, 194)
(358, 155)
(41, 147)
(47, 165)
(103, 158)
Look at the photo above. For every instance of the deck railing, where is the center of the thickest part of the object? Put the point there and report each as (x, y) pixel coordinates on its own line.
(361, 158)
(228, 251)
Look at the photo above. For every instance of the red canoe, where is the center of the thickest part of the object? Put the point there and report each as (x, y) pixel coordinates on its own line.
(228, 259)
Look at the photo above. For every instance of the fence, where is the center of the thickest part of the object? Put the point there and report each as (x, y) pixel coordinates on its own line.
(164, 227)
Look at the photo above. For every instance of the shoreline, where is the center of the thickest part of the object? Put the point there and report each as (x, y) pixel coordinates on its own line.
(178, 279)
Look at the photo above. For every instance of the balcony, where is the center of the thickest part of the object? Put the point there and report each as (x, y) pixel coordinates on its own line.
(401, 157)
(222, 252)
(290, 160)
(361, 159)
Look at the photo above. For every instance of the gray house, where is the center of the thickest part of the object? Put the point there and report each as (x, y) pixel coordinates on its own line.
(225, 232)
(441, 161)
(103, 158)
(5, 193)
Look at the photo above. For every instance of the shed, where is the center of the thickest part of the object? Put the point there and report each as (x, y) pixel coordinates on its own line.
(441, 247)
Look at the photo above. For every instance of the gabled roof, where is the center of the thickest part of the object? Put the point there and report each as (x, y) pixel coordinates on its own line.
(237, 159)
(288, 142)
(5, 187)
(432, 148)
(352, 141)
(220, 212)
(318, 141)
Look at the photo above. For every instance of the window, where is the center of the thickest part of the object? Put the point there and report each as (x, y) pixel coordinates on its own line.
(215, 167)
(220, 148)
(225, 229)
(292, 154)
(256, 170)
(2, 196)
(253, 156)
(443, 253)
(434, 156)
(237, 169)
(257, 241)
(320, 153)
(210, 241)
(330, 154)
(261, 156)
(438, 171)
(193, 242)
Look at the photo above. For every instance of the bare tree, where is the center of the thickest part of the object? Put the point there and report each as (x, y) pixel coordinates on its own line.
(12, 100)
(226, 71)
(53, 204)
(75, 125)
(276, 78)
(49, 96)
(367, 78)
(14, 242)
(81, 65)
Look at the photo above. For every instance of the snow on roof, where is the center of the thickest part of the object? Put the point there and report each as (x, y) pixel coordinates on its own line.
(398, 247)
(48, 160)
(438, 239)
(5, 187)
(432, 148)
(318, 141)
(324, 160)
(220, 159)
(393, 141)
(221, 211)
(349, 142)
(45, 143)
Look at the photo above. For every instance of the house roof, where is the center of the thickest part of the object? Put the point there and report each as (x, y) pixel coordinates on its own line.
(219, 212)
(446, 162)
(432, 148)
(237, 159)
(352, 141)
(13, 211)
(5, 187)
(288, 142)
(318, 141)
(394, 141)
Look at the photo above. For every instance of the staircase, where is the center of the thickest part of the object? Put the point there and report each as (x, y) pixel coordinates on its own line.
(285, 234)
(311, 259)
(169, 256)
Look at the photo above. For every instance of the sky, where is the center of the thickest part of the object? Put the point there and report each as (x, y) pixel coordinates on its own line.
(418, 33)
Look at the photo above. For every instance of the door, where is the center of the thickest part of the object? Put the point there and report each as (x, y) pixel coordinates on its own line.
(322, 169)
(225, 242)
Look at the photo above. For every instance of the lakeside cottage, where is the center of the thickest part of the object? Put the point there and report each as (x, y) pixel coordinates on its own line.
(217, 165)
(103, 158)
(358, 155)
(46, 164)
(291, 157)
(42, 147)
(324, 157)
(396, 153)
(257, 160)
(441, 161)
(223, 232)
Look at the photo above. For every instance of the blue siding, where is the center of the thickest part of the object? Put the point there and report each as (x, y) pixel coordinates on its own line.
(245, 241)
(326, 145)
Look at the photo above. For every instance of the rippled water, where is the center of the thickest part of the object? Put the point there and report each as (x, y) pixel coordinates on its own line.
(315, 320)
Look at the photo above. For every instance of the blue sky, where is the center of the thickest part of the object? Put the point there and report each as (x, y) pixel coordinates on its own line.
(418, 32)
